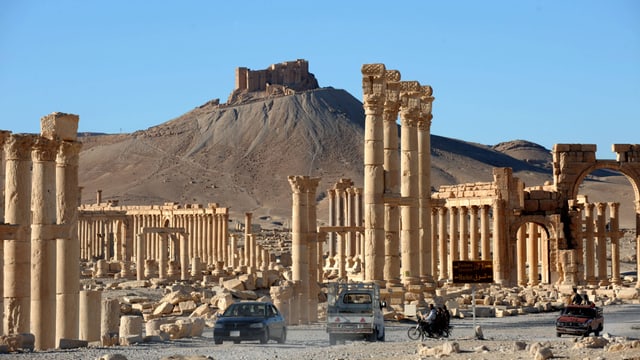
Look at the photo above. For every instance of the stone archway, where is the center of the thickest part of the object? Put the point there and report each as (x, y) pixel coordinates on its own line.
(573, 162)
(533, 239)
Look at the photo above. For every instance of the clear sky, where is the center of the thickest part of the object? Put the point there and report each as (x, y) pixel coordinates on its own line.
(546, 71)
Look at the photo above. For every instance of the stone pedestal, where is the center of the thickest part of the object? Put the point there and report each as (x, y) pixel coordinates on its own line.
(130, 330)
(110, 317)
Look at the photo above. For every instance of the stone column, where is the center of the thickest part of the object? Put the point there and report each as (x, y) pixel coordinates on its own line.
(342, 271)
(312, 239)
(409, 214)
(331, 245)
(162, 260)
(424, 183)
(249, 251)
(521, 251)
(110, 318)
(499, 242)
(532, 250)
(442, 240)
(233, 246)
(601, 246)
(358, 219)
(589, 264)
(373, 86)
(637, 208)
(614, 228)
(434, 243)
(224, 231)
(391, 165)
(141, 255)
(67, 247)
(299, 249)
(184, 257)
(89, 310)
(43, 243)
(3, 136)
(453, 237)
(484, 233)
(473, 232)
(464, 233)
(17, 252)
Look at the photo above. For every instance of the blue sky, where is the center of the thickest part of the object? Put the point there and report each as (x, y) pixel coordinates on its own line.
(545, 71)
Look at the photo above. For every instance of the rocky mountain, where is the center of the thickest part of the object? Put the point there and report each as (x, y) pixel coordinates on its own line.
(241, 155)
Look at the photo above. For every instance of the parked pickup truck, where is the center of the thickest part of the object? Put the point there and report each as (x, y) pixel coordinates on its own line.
(580, 320)
(354, 311)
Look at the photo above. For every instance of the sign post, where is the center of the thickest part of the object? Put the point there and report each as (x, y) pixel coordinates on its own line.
(473, 272)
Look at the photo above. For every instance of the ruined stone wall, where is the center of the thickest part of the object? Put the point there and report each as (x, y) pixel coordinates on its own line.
(292, 74)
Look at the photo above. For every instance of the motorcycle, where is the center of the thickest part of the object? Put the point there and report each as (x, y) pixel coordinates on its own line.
(439, 328)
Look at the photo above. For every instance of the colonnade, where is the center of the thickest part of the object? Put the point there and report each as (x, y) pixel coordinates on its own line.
(39, 246)
(393, 182)
(599, 229)
(345, 210)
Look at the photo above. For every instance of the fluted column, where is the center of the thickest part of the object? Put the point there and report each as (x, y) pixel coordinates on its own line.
(358, 221)
(249, 251)
(473, 232)
(68, 248)
(409, 213)
(43, 243)
(225, 231)
(614, 228)
(373, 86)
(162, 259)
(17, 251)
(442, 244)
(391, 165)
(601, 245)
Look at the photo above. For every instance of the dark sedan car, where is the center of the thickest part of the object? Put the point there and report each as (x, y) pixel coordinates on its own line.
(250, 321)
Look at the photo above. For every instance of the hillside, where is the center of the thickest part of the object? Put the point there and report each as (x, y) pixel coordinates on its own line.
(240, 156)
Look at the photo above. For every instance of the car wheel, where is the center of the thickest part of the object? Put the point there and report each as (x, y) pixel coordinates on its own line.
(558, 334)
(283, 337)
(373, 336)
(236, 341)
(265, 337)
(332, 339)
(217, 341)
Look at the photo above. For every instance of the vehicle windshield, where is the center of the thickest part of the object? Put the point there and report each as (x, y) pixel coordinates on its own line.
(245, 310)
(357, 298)
(575, 311)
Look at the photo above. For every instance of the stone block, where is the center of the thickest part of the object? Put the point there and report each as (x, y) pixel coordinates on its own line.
(234, 284)
(410, 309)
(187, 306)
(60, 126)
(176, 297)
(163, 308)
(72, 344)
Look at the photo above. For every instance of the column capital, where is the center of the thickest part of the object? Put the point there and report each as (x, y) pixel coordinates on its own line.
(392, 95)
(68, 153)
(373, 87)
(410, 100)
(18, 146)
(601, 206)
(4, 134)
(44, 149)
(303, 184)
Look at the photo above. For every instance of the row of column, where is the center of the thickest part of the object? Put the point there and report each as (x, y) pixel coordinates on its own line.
(532, 252)
(345, 209)
(392, 184)
(596, 229)
(40, 275)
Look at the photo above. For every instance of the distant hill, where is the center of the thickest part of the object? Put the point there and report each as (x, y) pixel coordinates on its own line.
(241, 155)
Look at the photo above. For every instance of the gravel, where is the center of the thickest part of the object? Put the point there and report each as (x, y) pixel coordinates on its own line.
(311, 342)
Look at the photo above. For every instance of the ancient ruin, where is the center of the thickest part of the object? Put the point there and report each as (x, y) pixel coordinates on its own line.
(393, 231)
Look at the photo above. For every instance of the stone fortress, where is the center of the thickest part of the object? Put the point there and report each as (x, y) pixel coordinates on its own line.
(394, 231)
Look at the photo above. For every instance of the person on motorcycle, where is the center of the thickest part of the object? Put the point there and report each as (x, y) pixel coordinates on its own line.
(430, 319)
